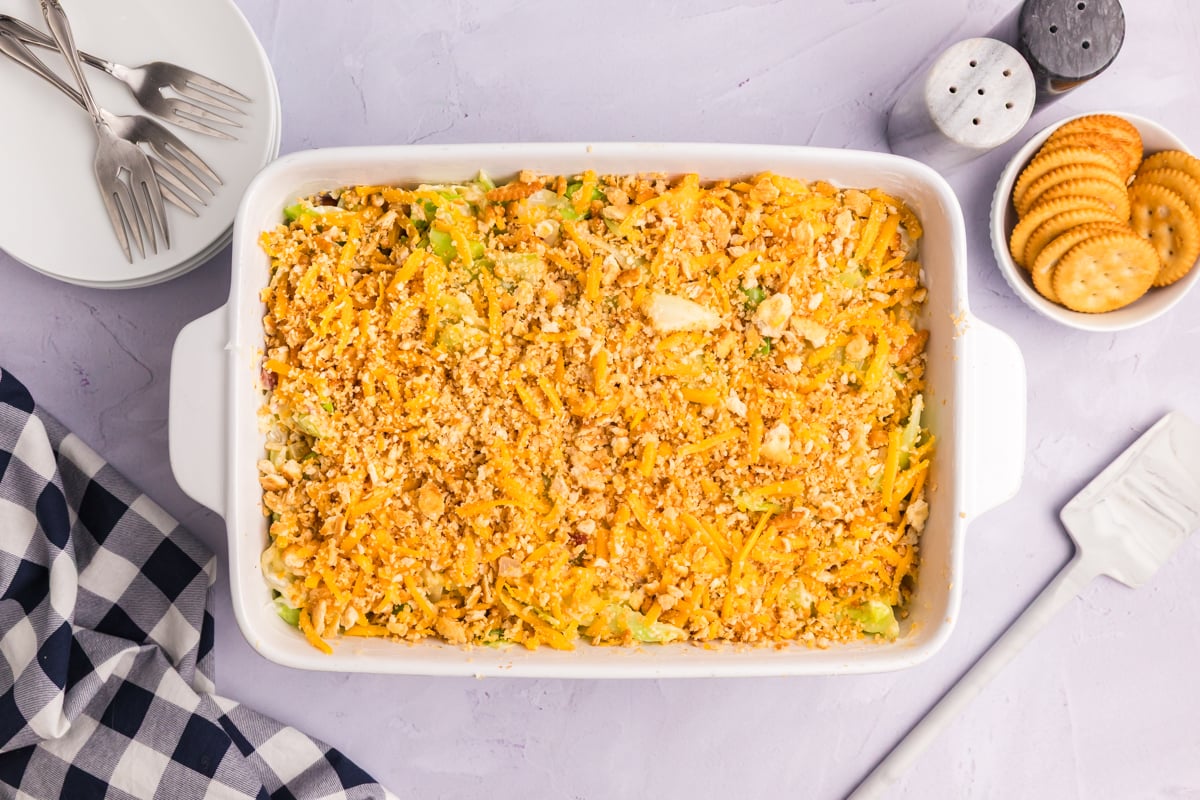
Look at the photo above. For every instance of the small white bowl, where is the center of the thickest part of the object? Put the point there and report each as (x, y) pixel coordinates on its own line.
(1151, 305)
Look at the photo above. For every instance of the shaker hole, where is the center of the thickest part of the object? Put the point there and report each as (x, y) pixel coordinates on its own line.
(1008, 104)
(975, 121)
(981, 91)
(1054, 29)
(1007, 73)
(1081, 6)
(953, 89)
(974, 63)
(1086, 44)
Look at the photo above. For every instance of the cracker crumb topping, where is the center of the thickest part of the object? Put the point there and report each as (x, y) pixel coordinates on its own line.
(622, 408)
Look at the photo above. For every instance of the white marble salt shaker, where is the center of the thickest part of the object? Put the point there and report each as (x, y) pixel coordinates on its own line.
(977, 95)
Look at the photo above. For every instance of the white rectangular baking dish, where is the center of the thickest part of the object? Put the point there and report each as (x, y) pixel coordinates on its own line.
(976, 402)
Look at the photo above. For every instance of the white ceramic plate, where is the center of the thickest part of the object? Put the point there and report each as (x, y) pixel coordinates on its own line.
(975, 402)
(1153, 304)
(51, 215)
(183, 268)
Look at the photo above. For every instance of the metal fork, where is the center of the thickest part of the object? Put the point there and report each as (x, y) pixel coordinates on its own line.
(138, 204)
(179, 170)
(199, 97)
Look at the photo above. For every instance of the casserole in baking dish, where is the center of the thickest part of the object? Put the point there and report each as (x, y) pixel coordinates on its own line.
(974, 401)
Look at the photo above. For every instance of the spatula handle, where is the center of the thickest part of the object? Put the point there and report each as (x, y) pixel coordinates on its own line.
(1065, 586)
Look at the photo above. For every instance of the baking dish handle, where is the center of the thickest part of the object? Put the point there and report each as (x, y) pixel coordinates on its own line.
(996, 431)
(197, 420)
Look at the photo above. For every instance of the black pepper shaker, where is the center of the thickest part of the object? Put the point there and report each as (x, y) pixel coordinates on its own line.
(1069, 42)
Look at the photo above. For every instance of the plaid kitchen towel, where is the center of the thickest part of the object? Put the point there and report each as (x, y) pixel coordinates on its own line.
(106, 644)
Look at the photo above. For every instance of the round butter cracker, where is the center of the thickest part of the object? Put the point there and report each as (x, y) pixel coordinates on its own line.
(1116, 131)
(1113, 197)
(1162, 218)
(1045, 161)
(1039, 214)
(1174, 159)
(1177, 181)
(1059, 224)
(1105, 272)
(1042, 268)
(1062, 174)
(1126, 165)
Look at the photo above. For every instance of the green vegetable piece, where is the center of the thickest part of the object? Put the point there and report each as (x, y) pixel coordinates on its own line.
(754, 296)
(574, 187)
(305, 423)
(622, 618)
(748, 502)
(328, 406)
(458, 337)
(294, 212)
(876, 617)
(302, 209)
(798, 597)
(656, 632)
(288, 614)
(764, 348)
(485, 182)
(612, 225)
(568, 210)
(513, 268)
(912, 431)
(851, 278)
(442, 245)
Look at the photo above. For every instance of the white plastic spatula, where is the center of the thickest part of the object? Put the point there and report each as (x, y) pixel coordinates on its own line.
(1125, 523)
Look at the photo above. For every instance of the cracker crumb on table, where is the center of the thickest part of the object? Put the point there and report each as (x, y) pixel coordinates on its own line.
(609, 408)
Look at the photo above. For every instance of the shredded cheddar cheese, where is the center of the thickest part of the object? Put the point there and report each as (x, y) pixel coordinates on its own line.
(612, 408)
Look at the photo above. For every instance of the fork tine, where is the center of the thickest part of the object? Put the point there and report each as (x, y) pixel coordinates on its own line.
(113, 207)
(180, 170)
(185, 153)
(125, 204)
(193, 110)
(174, 199)
(168, 177)
(208, 84)
(148, 186)
(200, 127)
(144, 214)
(204, 98)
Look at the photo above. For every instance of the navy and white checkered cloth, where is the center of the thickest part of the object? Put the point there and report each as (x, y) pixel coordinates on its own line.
(106, 644)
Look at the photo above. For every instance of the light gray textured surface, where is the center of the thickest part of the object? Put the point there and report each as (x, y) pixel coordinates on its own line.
(1101, 705)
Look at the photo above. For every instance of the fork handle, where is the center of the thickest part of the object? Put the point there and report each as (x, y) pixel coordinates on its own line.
(15, 48)
(1061, 590)
(60, 29)
(32, 36)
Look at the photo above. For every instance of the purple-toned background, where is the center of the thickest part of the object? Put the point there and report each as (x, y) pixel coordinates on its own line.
(1103, 704)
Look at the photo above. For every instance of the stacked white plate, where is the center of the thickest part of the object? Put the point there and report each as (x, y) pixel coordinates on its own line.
(51, 216)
